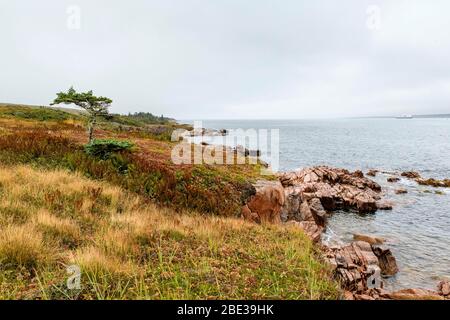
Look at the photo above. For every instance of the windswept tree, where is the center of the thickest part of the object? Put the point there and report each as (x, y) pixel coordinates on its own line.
(95, 106)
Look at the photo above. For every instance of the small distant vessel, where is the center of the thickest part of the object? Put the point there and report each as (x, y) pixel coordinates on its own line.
(405, 116)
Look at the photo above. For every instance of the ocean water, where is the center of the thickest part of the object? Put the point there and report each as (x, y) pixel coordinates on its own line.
(418, 228)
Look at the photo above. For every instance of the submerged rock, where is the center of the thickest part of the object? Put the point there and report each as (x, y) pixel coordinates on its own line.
(410, 174)
(368, 239)
(434, 182)
(372, 173)
(401, 191)
(393, 179)
(384, 205)
(413, 294)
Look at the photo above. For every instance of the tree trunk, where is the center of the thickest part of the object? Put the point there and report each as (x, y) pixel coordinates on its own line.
(91, 129)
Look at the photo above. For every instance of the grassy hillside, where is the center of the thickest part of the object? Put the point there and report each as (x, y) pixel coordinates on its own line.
(129, 248)
(137, 225)
(148, 170)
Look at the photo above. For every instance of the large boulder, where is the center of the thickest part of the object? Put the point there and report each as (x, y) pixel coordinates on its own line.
(265, 205)
(356, 266)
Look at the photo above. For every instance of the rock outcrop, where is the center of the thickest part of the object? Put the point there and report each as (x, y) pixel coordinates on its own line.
(334, 188)
(305, 198)
(206, 132)
(360, 266)
(356, 266)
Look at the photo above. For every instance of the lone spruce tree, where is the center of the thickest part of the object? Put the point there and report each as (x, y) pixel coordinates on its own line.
(95, 106)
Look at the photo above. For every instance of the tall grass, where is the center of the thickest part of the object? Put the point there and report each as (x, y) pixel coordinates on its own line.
(129, 248)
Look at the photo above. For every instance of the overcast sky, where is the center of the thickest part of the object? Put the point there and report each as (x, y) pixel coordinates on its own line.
(203, 59)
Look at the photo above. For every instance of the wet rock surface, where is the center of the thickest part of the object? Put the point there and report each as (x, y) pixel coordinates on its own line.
(410, 174)
(401, 191)
(434, 182)
(372, 173)
(413, 294)
(384, 205)
(368, 239)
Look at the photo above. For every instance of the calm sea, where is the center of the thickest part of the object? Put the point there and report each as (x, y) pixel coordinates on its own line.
(418, 228)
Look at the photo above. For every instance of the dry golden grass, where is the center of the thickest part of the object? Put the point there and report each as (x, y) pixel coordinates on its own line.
(129, 248)
(22, 246)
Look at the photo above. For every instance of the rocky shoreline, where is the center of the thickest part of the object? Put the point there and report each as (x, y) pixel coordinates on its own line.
(306, 198)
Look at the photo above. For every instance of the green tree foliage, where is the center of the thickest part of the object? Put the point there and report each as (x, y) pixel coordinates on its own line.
(103, 148)
(95, 106)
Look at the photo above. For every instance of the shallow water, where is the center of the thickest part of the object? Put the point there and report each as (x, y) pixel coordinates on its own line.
(418, 228)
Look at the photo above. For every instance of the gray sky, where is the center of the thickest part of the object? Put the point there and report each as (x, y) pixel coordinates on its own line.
(198, 59)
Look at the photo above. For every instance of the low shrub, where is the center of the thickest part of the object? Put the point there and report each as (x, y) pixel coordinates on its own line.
(104, 148)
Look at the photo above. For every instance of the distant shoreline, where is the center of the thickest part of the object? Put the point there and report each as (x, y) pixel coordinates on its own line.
(414, 116)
